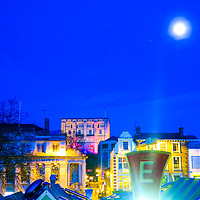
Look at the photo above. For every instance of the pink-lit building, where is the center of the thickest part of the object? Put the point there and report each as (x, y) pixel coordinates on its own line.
(93, 130)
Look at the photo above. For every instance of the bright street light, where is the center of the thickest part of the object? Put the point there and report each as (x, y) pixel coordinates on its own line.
(180, 28)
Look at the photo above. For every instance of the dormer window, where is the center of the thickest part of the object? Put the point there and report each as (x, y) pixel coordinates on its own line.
(125, 145)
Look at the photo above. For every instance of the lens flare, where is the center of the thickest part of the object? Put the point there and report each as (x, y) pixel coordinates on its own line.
(180, 28)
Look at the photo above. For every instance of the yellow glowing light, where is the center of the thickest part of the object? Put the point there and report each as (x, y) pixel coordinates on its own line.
(108, 173)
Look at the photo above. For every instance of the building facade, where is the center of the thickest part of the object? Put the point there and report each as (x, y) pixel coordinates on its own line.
(104, 150)
(175, 143)
(49, 156)
(93, 130)
(119, 172)
(194, 158)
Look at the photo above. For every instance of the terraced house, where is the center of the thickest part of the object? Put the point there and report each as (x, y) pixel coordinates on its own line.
(175, 143)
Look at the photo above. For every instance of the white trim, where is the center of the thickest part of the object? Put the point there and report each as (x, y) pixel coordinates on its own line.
(178, 147)
(165, 145)
(46, 192)
(180, 163)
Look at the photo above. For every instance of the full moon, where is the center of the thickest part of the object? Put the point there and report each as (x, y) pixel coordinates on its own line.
(180, 28)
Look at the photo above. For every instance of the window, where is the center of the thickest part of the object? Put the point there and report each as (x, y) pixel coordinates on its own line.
(104, 146)
(90, 132)
(195, 162)
(40, 170)
(122, 164)
(177, 163)
(69, 132)
(125, 145)
(55, 147)
(163, 146)
(126, 183)
(10, 175)
(175, 147)
(100, 132)
(55, 169)
(41, 147)
(79, 132)
(164, 179)
(176, 177)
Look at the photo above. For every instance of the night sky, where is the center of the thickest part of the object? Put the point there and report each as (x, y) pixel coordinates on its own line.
(74, 58)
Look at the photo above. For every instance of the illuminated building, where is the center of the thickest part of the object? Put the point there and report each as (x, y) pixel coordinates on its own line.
(93, 130)
(120, 177)
(194, 158)
(175, 143)
(69, 166)
(50, 157)
(104, 150)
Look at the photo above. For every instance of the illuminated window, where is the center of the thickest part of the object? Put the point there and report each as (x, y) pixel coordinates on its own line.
(120, 178)
(195, 162)
(120, 185)
(163, 146)
(125, 145)
(90, 132)
(55, 147)
(126, 183)
(122, 164)
(175, 146)
(177, 162)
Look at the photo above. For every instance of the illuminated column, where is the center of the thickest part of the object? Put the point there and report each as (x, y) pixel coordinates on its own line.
(68, 174)
(83, 174)
(17, 181)
(47, 171)
(32, 166)
(63, 175)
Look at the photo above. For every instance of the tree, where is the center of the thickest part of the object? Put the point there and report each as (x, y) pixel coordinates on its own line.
(75, 141)
(15, 151)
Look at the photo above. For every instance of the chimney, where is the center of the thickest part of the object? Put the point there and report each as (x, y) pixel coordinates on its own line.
(138, 130)
(46, 125)
(53, 179)
(181, 130)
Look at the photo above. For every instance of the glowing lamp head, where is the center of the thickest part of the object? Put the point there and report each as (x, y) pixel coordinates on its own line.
(180, 28)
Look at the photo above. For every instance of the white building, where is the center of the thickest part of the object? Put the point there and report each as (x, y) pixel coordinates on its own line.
(120, 177)
(194, 158)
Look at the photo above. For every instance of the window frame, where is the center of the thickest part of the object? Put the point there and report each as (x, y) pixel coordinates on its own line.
(127, 146)
(178, 147)
(180, 163)
(165, 145)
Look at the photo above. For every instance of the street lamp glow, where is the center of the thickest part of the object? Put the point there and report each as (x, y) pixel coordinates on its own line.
(180, 28)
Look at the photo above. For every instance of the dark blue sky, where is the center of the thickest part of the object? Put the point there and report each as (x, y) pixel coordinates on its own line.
(74, 58)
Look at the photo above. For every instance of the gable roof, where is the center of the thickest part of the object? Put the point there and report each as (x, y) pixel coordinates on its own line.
(16, 196)
(183, 188)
